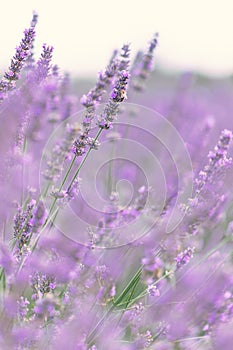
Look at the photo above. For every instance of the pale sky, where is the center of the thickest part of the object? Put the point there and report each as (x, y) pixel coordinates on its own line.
(194, 34)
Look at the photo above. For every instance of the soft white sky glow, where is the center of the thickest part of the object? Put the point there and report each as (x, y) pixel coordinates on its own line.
(194, 34)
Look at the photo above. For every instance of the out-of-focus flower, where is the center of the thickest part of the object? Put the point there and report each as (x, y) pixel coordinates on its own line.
(184, 257)
(143, 65)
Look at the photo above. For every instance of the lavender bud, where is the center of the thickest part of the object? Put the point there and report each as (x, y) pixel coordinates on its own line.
(153, 291)
(184, 257)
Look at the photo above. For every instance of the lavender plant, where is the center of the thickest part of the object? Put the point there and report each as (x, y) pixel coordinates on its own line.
(85, 259)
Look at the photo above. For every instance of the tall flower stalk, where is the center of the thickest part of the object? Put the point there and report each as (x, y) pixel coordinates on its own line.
(117, 96)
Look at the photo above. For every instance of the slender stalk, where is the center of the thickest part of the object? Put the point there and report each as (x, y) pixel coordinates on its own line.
(129, 298)
(23, 169)
(55, 213)
(110, 169)
(129, 286)
(92, 335)
(144, 292)
(73, 179)
(60, 188)
(46, 189)
(83, 160)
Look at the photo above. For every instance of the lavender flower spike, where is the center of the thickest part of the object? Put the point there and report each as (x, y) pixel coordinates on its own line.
(94, 96)
(124, 57)
(184, 257)
(90, 102)
(218, 162)
(30, 58)
(22, 53)
(43, 64)
(145, 66)
(117, 96)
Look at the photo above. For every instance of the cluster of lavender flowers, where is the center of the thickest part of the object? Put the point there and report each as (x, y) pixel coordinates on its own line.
(156, 291)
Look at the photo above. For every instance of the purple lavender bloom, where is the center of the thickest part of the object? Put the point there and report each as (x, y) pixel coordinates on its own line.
(23, 51)
(42, 284)
(23, 307)
(153, 291)
(92, 99)
(61, 151)
(117, 96)
(184, 257)
(30, 58)
(124, 59)
(218, 161)
(217, 165)
(38, 216)
(90, 102)
(65, 196)
(44, 63)
(94, 96)
(144, 68)
(23, 230)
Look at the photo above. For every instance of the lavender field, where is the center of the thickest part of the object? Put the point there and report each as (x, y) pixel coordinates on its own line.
(116, 212)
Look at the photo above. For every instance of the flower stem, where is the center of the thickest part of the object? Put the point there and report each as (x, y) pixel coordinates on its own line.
(83, 160)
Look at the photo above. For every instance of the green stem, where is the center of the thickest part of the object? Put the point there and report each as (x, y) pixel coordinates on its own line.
(73, 179)
(83, 160)
(46, 189)
(128, 287)
(92, 335)
(129, 298)
(144, 292)
(55, 213)
(23, 168)
(110, 170)
(60, 188)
